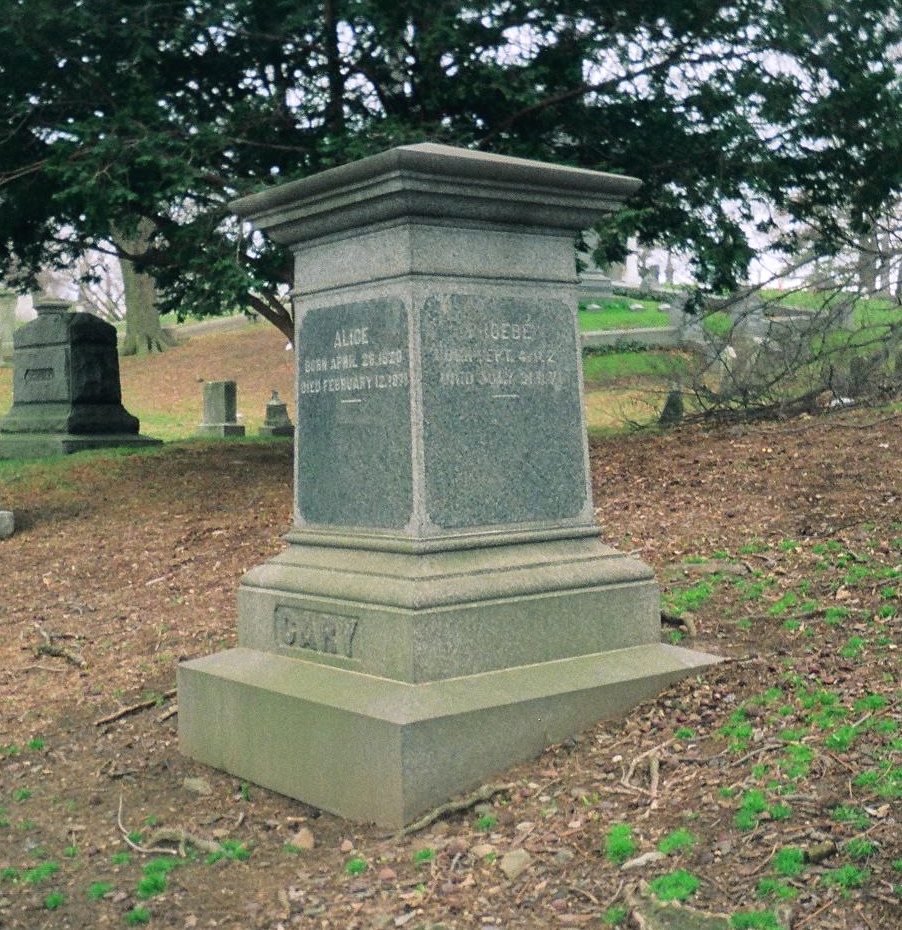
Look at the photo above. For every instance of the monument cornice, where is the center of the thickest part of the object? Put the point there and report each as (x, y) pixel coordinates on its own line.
(431, 181)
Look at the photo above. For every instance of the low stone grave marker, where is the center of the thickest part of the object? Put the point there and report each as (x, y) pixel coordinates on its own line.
(8, 300)
(445, 607)
(220, 410)
(277, 422)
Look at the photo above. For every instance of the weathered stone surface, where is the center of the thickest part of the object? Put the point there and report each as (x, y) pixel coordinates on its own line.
(220, 410)
(502, 411)
(374, 749)
(7, 325)
(515, 863)
(354, 465)
(7, 524)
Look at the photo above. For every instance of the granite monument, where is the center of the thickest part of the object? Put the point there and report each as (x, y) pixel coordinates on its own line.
(444, 606)
(66, 391)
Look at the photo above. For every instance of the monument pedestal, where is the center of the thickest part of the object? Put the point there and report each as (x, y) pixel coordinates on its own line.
(444, 607)
(377, 684)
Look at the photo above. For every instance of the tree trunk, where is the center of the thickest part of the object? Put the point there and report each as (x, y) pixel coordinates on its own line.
(143, 332)
(867, 264)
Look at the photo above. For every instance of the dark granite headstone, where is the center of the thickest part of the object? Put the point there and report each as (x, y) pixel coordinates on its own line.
(66, 391)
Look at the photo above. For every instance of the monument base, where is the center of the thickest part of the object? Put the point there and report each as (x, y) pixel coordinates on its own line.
(373, 749)
(220, 430)
(40, 445)
(376, 684)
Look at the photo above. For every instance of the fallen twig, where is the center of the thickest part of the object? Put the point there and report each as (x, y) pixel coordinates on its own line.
(134, 708)
(678, 620)
(50, 648)
(627, 779)
(483, 793)
(167, 835)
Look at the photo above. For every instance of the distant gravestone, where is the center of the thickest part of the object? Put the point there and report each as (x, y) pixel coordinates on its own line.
(277, 421)
(7, 524)
(672, 414)
(66, 391)
(220, 410)
(8, 300)
(444, 607)
(595, 284)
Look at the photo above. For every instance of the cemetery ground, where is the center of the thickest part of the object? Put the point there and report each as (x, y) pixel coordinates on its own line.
(764, 793)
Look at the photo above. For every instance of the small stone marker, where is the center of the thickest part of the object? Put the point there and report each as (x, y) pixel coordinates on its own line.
(444, 607)
(7, 524)
(8, 301)
(277, 422)
(220, 410)
(672, 414)
(66, 392)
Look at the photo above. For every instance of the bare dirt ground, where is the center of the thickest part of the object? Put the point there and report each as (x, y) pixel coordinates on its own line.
(776, 776)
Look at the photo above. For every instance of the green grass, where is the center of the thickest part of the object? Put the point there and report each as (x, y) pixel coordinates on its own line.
(679, 840)
(356, 866)
(615, 313)
(719, 323)
(40, 873)
(675, 886)
(619, 844)
(486, 822)
(424, 856)
(616, 915)
(789, 862)
(54, 900)
(756, 920)
(231, 850)
(845, 877)
(600, 366)
(97, 890)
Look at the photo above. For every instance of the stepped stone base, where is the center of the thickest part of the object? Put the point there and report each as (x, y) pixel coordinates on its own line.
(40, 445)
(219, 430)
(373, 749)
(377, 684)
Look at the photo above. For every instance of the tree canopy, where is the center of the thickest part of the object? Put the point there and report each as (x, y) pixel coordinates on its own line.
(120, 115)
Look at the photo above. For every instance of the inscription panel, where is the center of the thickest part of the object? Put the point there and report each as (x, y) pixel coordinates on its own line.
(502, 411)
(354, 463)
(312, 631)
(41, 376)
